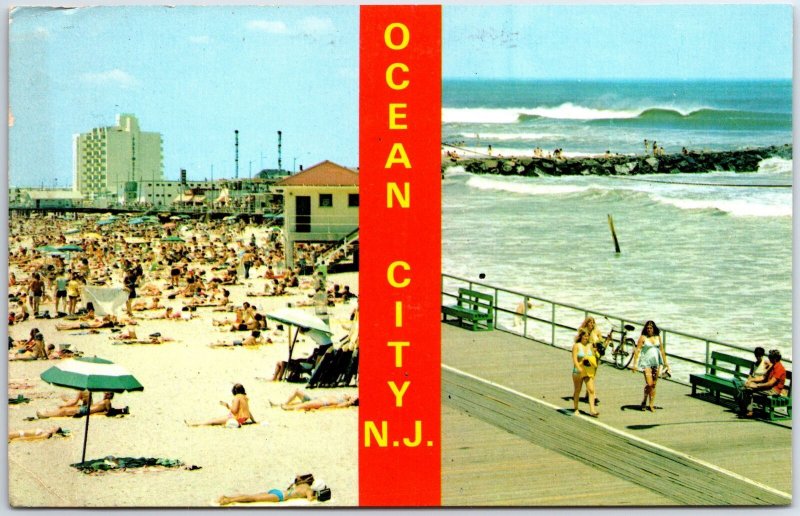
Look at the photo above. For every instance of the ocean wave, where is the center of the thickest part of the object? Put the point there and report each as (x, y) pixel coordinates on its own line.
(760, 204)
(482, 183)
(735, 207)
(775, 166)
(649, 114)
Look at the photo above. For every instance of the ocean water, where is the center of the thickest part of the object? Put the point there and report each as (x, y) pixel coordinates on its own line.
(593, 117)
(706, 254)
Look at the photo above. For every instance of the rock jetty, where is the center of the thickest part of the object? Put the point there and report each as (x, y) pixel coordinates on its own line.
(608, 165)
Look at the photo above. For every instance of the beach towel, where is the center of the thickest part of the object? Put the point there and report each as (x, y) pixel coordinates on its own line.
(112, 463)
(106, 300)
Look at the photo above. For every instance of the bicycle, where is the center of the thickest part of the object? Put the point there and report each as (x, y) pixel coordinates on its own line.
(621, 357)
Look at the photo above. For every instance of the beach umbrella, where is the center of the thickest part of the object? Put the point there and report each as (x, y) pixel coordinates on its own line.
(105, 222)
(136, 221)
(72, 231)
(96, 236)
(175, 217)
(70, 247)
(47, 249)
(302, 321)
(93, 374)
(173, 239)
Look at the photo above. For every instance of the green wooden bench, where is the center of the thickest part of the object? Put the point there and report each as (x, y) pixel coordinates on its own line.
(472, 307)
(783, 404)
(731, 366)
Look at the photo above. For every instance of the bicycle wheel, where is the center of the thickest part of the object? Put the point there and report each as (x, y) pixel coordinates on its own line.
(630, 358)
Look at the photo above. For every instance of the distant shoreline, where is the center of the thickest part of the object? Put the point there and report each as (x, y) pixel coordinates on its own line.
(746, 160)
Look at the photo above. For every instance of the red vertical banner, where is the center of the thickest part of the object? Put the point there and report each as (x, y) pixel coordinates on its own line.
(400, 262)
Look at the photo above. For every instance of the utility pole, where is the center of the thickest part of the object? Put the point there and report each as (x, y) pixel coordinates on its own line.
(236, 133)
(279, 151)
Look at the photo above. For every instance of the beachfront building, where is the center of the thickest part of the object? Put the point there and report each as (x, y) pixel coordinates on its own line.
(320, 205)
(43, 199)
(109, 162)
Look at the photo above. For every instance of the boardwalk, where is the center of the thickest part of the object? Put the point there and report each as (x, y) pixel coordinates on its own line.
(509, 437)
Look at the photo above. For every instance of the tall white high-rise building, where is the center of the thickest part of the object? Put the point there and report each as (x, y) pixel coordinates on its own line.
(106, 159)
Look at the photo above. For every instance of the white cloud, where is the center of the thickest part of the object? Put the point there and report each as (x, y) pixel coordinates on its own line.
(115, 77)
(316, 26)
(271, 27)
(199, 40)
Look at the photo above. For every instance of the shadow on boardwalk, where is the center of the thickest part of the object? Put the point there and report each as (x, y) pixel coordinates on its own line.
(510, 438)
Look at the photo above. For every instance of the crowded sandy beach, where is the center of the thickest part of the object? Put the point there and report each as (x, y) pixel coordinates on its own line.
(197, 334)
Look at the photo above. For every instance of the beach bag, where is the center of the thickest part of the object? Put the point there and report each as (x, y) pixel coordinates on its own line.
(324, 494)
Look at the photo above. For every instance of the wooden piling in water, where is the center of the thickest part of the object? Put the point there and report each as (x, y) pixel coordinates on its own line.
(613, 234)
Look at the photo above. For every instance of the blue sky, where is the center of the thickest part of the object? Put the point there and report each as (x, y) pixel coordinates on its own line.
(617, 41)
(193, 74)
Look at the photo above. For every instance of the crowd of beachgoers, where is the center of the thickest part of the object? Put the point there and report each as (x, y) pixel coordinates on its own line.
(160, 294)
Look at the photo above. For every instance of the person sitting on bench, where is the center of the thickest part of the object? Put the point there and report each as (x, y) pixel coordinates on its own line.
(772, 385)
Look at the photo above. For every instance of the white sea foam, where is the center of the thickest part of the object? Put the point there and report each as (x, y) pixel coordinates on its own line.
(735, 207)
(775, 166)
(526, 188)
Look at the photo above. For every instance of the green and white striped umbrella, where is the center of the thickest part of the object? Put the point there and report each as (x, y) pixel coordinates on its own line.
(93, 374)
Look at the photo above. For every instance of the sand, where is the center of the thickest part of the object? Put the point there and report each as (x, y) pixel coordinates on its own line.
(185, 379)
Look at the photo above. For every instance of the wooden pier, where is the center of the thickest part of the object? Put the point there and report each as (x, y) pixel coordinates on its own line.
(509, 436)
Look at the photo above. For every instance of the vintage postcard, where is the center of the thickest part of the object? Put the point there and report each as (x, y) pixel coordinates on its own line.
(562, 232)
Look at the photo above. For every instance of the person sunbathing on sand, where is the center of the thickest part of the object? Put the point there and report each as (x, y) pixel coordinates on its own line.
(141, 306)
(254, 339)
(38, 434)
(107, 321)
(239, 411)
(300, 400)
(126, 335)
(101, 407)
(300, 488)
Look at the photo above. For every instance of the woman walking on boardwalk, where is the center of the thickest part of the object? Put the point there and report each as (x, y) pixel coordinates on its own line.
(584, 367)
(649, 356)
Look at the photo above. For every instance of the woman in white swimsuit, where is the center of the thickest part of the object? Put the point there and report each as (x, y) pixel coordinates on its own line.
(649, 356)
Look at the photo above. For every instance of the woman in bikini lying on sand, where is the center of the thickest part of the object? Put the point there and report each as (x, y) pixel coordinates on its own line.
(300, 488)
(34, 435)
(239, 411)
(300, 400)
